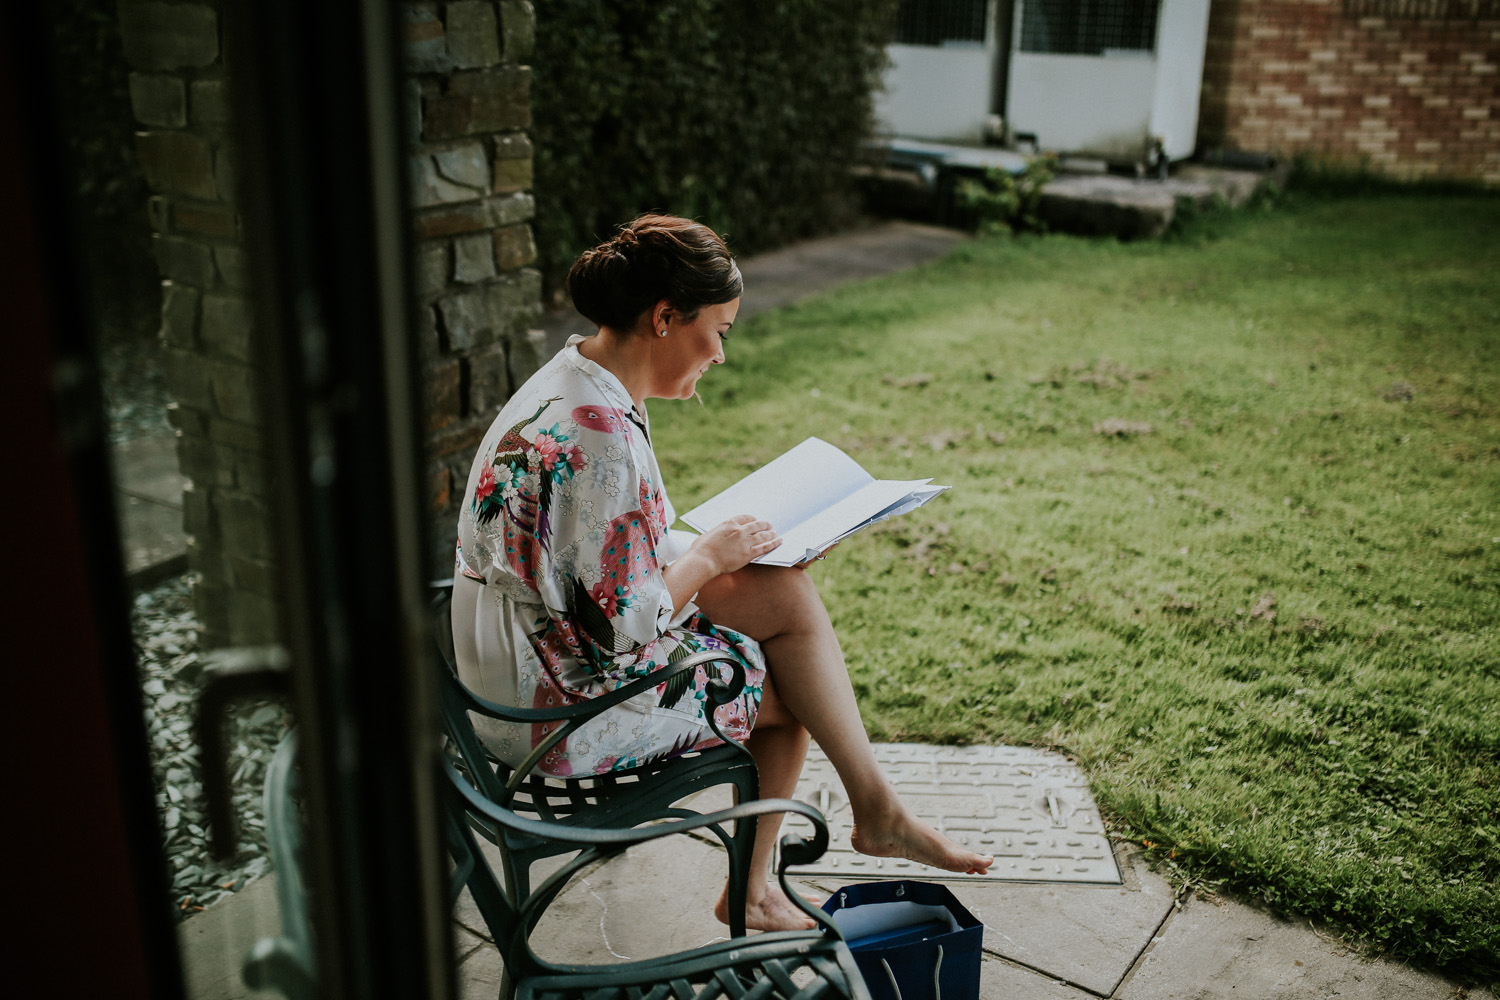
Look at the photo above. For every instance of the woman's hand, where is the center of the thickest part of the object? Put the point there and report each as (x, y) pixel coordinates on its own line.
(727, 548)
(735, 543)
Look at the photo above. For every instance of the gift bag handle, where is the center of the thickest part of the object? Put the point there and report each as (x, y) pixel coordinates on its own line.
(892, 976)
(937, 968)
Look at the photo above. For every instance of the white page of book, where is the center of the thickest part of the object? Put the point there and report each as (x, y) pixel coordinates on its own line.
(817, 532)
(787, 490)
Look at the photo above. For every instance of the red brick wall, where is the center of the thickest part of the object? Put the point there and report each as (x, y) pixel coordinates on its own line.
(1407, 97)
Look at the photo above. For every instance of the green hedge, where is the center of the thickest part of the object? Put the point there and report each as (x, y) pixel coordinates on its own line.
(744, 115)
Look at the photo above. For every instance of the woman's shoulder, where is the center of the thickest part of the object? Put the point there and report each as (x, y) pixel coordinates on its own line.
(556, 388)
(566, 405)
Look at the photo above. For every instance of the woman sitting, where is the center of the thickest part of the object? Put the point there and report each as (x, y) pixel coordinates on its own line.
(569, 583)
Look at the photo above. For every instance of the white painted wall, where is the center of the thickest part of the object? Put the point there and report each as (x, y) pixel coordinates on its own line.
(1084, 104)
(939, 93)
(1181, 34)
(1111, 105)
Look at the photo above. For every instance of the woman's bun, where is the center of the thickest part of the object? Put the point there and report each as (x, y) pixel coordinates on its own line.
(655, 257)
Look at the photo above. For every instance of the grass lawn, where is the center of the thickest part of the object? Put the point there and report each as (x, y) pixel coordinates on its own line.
(1223, 526)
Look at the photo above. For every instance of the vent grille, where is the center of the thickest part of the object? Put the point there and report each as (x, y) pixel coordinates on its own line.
(938, 22)
(1087, 27)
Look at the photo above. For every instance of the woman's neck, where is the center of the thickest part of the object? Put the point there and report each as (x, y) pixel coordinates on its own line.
(625, 356)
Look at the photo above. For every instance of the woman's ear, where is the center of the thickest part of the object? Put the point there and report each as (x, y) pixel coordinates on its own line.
(661, 314)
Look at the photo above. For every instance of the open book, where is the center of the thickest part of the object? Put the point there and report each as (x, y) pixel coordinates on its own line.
(815, 496)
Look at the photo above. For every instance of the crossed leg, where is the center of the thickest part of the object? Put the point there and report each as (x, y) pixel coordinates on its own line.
(808, 693)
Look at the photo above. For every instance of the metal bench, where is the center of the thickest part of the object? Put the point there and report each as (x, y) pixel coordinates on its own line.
(284, 962)
(619, 799)
(789, 965)
(784, 965)
(530, 816)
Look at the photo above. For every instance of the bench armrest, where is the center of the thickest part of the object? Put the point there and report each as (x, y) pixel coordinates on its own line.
(598, 842)
(719, 692)
(458, 701)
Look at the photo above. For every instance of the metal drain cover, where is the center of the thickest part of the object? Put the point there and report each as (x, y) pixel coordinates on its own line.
(1030, 809)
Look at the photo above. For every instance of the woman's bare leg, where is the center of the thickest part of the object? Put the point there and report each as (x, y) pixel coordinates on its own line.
(779, 745)
(781, 609)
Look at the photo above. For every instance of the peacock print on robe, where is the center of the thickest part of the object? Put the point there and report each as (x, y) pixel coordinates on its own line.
(565, 533)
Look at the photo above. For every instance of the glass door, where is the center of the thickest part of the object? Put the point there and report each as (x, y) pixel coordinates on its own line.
(109, 818)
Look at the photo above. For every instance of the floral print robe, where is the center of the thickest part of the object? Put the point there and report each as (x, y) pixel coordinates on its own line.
(558, 590)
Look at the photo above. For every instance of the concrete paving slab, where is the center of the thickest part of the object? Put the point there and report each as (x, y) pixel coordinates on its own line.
(1001, 980)
(656, 899)
(150, 532)
(466, 917)
(782, 277)
(1222, 950)
(1088, 936)
(465, 943)
(479, 979)
(653, 900)
(1132, 208)
(1043, 941)
(147, 467)
(214, 943)
(466, 911)
(1030, 809)
(1059, 939)
(479, 974)
(148, 495)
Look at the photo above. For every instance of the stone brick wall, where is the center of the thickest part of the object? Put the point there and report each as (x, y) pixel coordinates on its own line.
(179, 98)
(468, 106)
(469, 103)
(1408, 88)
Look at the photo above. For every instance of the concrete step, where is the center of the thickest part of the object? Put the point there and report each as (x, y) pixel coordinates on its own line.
(1103, 204)
(148, 498)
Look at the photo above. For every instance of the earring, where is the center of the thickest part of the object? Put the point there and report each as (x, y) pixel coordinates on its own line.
(663, 332)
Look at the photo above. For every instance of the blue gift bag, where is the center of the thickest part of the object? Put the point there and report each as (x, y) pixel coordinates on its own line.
(911, 940)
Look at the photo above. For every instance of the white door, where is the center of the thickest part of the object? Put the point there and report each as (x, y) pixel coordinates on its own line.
(1107, 77)
(940, 83)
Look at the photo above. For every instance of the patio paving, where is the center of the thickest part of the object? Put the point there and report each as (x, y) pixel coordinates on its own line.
(1137, 939)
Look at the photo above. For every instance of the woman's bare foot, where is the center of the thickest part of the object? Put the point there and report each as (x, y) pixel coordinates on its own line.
(770, 911)
(910, 838)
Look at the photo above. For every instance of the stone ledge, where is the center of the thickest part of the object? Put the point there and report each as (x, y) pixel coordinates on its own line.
(1130, 208)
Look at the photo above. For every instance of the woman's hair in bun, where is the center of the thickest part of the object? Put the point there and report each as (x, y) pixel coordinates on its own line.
(653, 258)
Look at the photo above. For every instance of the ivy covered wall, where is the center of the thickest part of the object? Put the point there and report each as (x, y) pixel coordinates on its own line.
(745, 116)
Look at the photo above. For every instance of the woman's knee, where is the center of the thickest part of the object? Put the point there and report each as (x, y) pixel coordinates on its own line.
(763, 599)
(773, 712)
(786, 585)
